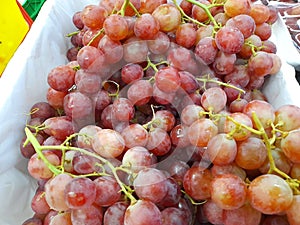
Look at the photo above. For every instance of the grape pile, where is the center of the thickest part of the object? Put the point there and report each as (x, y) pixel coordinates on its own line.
(158, 118)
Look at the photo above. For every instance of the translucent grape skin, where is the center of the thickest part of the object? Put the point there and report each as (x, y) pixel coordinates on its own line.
(135, 135)
(116, 27)
(201, 131)
(213, 99)
(251, 153)
(221, 150)
(229, 39)
(140, 92)
(54, 192)
(143, 212)
(173, 215)
(80, 193)
(197, 182)
(270, 194)
(61, 78)
(150, 184)
(245, 215)
(168, 16)
(108, 143)
(235, 7)
(39, 204)
(61, 218)
(167, 79)
(115, 214)
(292, 212)
(228, 191)
(146, 27)
(37, 167)
(108, 191)
(90, 215)
(290, 145)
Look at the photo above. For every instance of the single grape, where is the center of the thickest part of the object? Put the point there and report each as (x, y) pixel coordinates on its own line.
(159, 141)
(199, 13)
(150, 184)
(168, 16)
(93, 16)
(54, 192)
(123, 109)
(173, 215)
(108, 143)
(90, 215)
(260, 13)
(61, 78)
(212, 212)
(92, 37)
(221, 149)
(229, 39)
(77, 21)
(245, 23)
(251, 153)
(201, 131)
(191, 113)
(140, 92)
(86, 134)
(287, 117)
(146, 27)
(108, 191)
(236, 7)
(159, 44)
(80, 193)
(113, 50)
(260, 64)
(135, 135)
(228, 191)
(39, 204)
(206, 50)
(214, 99)
(290, 144)
(135, 50)
(55, 98)
(263, 110)
(38, 169)
(270, 194)
(90, 59)
(137, 158)
(143, 212)
(115, 214)
(61, 218)
(197, 182)
(292, 212)
(131, 72)
(116, 27)
(78, 106)
(245, 215)
(186, 35)
(168, 80)
(42, 110)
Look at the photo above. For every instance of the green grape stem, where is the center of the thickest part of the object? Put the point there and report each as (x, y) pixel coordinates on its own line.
(206, 9)
(56, 171)
(95, 36)
(186, 17)
(206, 80)
(294, 183)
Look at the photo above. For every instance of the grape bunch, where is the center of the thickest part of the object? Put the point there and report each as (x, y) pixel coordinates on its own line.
(158, 118)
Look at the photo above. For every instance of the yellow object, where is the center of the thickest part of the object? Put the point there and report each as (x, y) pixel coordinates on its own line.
(13, 29)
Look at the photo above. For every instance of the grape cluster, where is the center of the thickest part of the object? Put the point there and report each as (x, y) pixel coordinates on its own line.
(158, 118)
